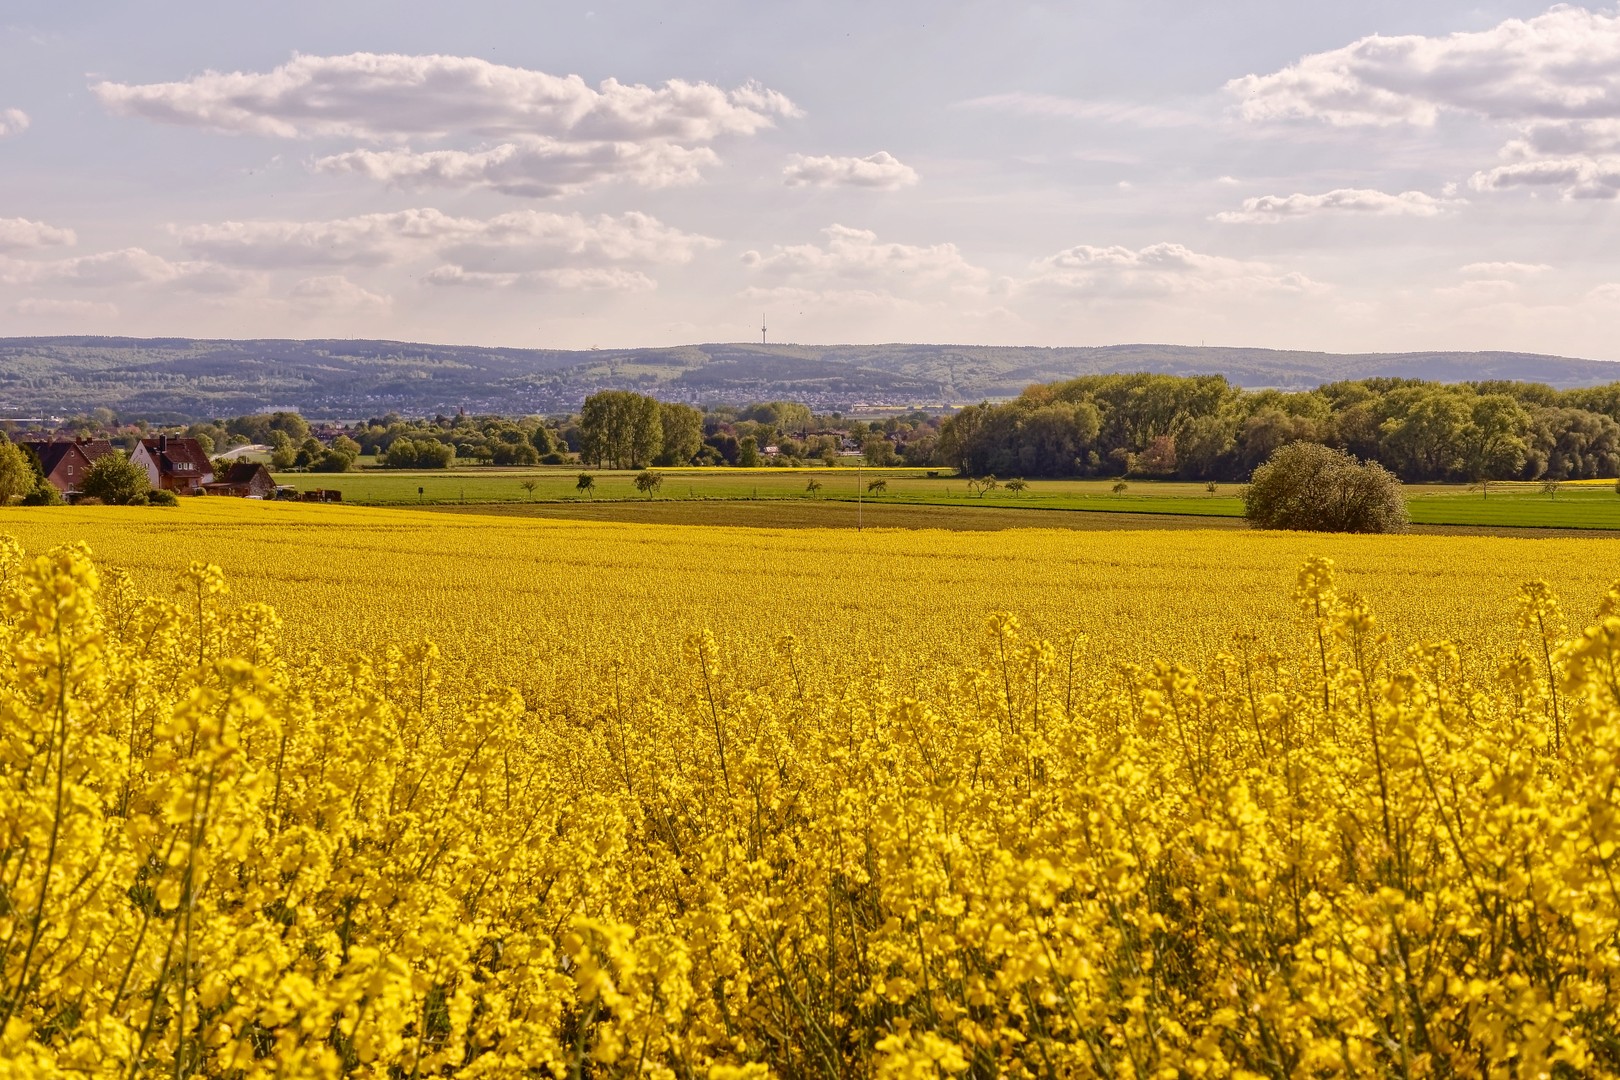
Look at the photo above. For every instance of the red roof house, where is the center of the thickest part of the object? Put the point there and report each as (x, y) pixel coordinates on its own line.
(177, 465)
(245, 480)
(63, 461)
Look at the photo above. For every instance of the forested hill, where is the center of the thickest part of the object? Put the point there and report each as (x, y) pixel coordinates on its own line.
(165, 378)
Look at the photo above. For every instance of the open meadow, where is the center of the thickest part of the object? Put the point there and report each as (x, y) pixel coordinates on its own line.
(1573, 505)
(684, 801)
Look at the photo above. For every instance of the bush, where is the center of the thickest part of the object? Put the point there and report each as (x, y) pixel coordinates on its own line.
(139, 499)
(1312, 487)
(163, 498)
(553, 458)
(115, 479)
(43, 495)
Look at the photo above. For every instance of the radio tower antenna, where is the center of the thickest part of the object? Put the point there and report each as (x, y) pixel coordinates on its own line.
(762, 328)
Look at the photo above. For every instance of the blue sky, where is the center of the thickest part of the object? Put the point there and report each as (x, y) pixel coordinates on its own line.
(1346, 177)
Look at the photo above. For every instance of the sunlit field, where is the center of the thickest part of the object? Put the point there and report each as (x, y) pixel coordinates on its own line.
(395, 793)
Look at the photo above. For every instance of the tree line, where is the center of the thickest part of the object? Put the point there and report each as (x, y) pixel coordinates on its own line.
(1203, 428)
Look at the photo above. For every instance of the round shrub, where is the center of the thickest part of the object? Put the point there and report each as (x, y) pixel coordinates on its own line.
(1316, 488)
(163, 498)
(114, 479)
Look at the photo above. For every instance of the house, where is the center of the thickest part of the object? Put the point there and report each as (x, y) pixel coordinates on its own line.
(173, 464)
(245, 480)
(65, 461)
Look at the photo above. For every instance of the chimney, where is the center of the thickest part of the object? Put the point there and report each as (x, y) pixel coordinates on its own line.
(163, 444)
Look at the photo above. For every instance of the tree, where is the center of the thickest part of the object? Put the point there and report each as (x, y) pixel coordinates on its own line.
(620, 429)
(542, 441)
(529, 485)
(647, 482)
(877, 487)
(586, 484)
(981, 485)
(878, 451)
(115, 480)
(1017, 485)
(17, 476)
(1493, 443)
(1119, 487)
(814, 486)
(1312, 487)
(748, 453)
(683, 433)
(418, 454)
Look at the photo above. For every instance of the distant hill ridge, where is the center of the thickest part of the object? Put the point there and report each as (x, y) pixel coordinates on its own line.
(197, 377)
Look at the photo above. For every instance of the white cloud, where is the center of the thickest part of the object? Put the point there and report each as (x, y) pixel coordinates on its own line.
(1269, 209)
(1504, 269)
(571, 279)
(380, 239)
(371, 95)
(1479, 291)
(1572, 177)
(1159, 270)
(1555, 78)
(881, 170)
(1067, 108)
(12, 122)
(1567, 137)
(533, 167)
(559, 134)
(128, 266)
(20, 234)
(76, 309)
(856, 254)
(1560, 66)
(334, 294)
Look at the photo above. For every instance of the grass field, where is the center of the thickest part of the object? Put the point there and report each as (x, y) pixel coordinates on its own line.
(1510, 505)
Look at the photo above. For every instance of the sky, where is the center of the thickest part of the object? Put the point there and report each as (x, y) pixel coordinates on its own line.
(1377, 176)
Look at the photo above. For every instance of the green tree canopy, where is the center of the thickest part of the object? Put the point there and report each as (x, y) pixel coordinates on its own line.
(115, 480)
(1312, 487)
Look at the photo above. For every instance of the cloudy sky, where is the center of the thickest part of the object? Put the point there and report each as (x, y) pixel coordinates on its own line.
(1372, 176)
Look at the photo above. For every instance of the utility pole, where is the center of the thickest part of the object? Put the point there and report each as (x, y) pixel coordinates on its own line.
(762, 328)
(859, 494)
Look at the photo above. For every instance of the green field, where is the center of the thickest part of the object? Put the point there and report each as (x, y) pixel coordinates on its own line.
(1575, 506)
(485, 484)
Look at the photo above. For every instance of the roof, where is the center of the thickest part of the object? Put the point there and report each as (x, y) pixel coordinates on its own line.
(176, 454)
(51, 453)
(95, 448)
(242, 472)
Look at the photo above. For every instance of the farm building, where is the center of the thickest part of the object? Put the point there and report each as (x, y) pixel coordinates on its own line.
(65, 461)
(171, 464)
(245, 480)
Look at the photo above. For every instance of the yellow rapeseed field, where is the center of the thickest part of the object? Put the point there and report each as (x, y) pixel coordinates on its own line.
(321, 791)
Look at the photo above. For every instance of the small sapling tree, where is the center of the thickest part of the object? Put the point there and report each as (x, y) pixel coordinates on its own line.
(647, 482)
